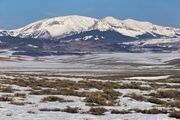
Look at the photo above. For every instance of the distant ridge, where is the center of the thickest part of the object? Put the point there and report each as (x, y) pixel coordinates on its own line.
(61, 27)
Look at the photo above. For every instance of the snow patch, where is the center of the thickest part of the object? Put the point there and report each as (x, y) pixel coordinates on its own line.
(149, 78)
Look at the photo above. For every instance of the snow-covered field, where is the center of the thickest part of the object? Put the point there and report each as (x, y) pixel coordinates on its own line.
(111, 62)
(154, 41)
(132, 78)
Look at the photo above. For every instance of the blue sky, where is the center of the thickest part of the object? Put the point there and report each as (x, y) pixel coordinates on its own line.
(17, 13)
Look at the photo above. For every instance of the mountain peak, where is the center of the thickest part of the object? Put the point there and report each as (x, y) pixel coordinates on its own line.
(58, 26)
(63, 26)
(111, 20)
(132, 21)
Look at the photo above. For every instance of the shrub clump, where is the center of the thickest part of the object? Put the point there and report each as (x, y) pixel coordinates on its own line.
(50, 110)
(97, 111)
(21, 95)
(5, 98)
(175, 114)
(69, 109)
(175, 103)
(152, 111)
(106, 98)
(18, 103)
(54, 99)
(63, 91)
(137, 97)
(168, 94)
(155, 100)
(120, 111)
(6, 89)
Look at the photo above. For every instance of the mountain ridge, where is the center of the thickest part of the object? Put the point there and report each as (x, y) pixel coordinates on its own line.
(60, 27)
(84, 35)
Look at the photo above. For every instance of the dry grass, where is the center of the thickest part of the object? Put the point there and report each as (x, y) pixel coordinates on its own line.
(31, 112)
(132, 85)
(97, 111)
(106, 98)
(6, 89)
(168, 94)
(21, 95)
(175, 103)
(154, 100)
(54, 99)
(6, 98)
(151, 111)
(120, 112)
(69, 109)
(64, 91)
(137, 97)
(37, 84)
(155, 85)
(18, 103)
(154, 111)
(98, 85)
(175, 114)
(50, 110)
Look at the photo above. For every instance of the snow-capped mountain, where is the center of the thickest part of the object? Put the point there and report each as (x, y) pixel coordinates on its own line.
(4, 33)
(78, 34)
(55, 27)
(60, 27)
(135, 28)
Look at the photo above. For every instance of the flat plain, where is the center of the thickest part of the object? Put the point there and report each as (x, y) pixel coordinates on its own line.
(109, 86)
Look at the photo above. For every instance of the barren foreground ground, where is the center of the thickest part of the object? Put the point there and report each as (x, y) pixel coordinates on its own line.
(117, 86)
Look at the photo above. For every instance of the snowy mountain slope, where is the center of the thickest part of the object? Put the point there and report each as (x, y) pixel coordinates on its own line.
(60, 27)
(55, 27)
(4, 33)
(135, 28)
(168, 42)
(161, 41)
(97, 35)
(1, 31)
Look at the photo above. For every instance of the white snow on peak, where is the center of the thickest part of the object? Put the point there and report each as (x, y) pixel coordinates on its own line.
(122, 27)
(0, 32)
(3, 33)
(101, 26)
(58, 26)
(148, 27)
(112, 21)
(66, 25)
(133, 24)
